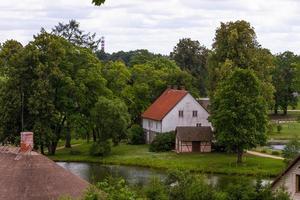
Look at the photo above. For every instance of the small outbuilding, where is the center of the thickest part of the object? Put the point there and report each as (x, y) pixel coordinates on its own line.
(193, 139)
(289, 179)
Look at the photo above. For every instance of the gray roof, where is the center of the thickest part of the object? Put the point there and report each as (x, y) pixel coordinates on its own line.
(188, 133)
(205, 103)
(34, 177)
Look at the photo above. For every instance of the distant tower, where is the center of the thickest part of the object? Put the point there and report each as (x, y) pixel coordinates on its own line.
(102, 44)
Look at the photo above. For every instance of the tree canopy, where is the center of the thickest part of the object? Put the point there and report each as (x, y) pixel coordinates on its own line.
(192, 57)
(239, 112)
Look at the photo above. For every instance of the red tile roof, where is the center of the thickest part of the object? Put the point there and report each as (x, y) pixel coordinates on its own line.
(164, 104)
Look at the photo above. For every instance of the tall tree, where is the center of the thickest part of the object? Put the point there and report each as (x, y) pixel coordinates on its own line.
(98, 2)
(286, 80)
(239, 112)
(73, 34)
(235, 46)
(191, 56)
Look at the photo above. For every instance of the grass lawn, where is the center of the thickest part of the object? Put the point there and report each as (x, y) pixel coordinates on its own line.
(289, 131)
(139, 155)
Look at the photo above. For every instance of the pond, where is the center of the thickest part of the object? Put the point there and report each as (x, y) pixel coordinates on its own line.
(278, 146)
(94, 172)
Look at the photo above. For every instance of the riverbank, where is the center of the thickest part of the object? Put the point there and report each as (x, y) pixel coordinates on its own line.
(138, 155)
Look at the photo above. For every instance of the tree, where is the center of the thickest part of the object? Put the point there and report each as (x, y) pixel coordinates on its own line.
(73, 34)
(235, 46)
(63, 83)
(286, 81)
(239, 112)
(98, 2)
(291, 150)
(111, 119)
(191, 56)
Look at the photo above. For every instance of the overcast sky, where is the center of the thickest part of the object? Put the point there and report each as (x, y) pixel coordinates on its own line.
(156, 25)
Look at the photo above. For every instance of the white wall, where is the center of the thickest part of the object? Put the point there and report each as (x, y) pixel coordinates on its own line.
(152, 125)
(288, 181)
(188, 104)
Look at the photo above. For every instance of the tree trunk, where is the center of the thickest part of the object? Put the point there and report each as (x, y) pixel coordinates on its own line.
(94, 135)
(239, 156)
(285, 111)
(68, 137)
(52, 148)
(276, 109)
(42, 148)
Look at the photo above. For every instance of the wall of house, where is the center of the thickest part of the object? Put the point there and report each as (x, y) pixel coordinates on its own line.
(188, 104)
(151, 128)
(185, 147)
(289, 181)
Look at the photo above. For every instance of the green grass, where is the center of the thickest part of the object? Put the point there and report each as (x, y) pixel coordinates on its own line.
(289, 131)
(204, 163)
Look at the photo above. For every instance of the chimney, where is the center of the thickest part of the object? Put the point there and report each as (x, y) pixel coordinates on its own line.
(169, 87)
(26, 141)
(175, 87)
(182, 87)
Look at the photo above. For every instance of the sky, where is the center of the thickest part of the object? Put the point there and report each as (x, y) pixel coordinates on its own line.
(156, 25)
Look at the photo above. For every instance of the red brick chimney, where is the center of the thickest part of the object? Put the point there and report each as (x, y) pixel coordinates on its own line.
(26, 141)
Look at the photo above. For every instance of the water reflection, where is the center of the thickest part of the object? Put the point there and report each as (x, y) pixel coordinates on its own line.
(93, 172)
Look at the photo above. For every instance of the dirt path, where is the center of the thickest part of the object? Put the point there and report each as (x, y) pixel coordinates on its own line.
(264, 155)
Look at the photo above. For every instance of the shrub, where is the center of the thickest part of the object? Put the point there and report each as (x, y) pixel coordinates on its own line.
(75, 152)
(263, 151)
(291, 150)
(163, 142)
(218, 147)
(156, 190)
(275, 153)
(279, 128)
(116, 189)
(136, 134)
(102, 148)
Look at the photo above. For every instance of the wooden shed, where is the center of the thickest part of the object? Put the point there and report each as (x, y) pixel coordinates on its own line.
(193, 139)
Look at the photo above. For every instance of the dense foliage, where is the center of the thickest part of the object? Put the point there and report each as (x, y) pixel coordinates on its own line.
(291, 150)
(163, 142)
(286, 80)
(136, 135)
(239, 112)
(185, 186)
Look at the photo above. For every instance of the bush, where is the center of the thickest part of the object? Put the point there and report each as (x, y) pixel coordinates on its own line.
(263, 151)
(279, 128)
(156, 190)
(163, 142)
(136, 135)
(275, 153)
(116, 189)
(217, 147)
(102, 148)
(75, 152)
(291, 150)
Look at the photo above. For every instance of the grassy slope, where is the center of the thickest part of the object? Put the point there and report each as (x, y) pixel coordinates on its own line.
(289, 131)
(207, 163)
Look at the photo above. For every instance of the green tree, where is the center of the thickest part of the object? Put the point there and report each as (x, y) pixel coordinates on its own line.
(239, 112)
(235, 46)
(191, 56)
(286, 80)
(111, 119)
(98, 2)
(291, 150)
(73, 34)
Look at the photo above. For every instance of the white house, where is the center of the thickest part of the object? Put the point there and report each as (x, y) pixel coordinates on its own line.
(172, 109)
(289, 179)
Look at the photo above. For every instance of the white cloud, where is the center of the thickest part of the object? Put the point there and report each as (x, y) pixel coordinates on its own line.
(157, 24)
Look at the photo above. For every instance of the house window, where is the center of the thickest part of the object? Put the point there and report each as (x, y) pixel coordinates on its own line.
(195, 113)
(180, 113)
(150, 124)
(297, 183)
(156, 125)
(198, 124)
